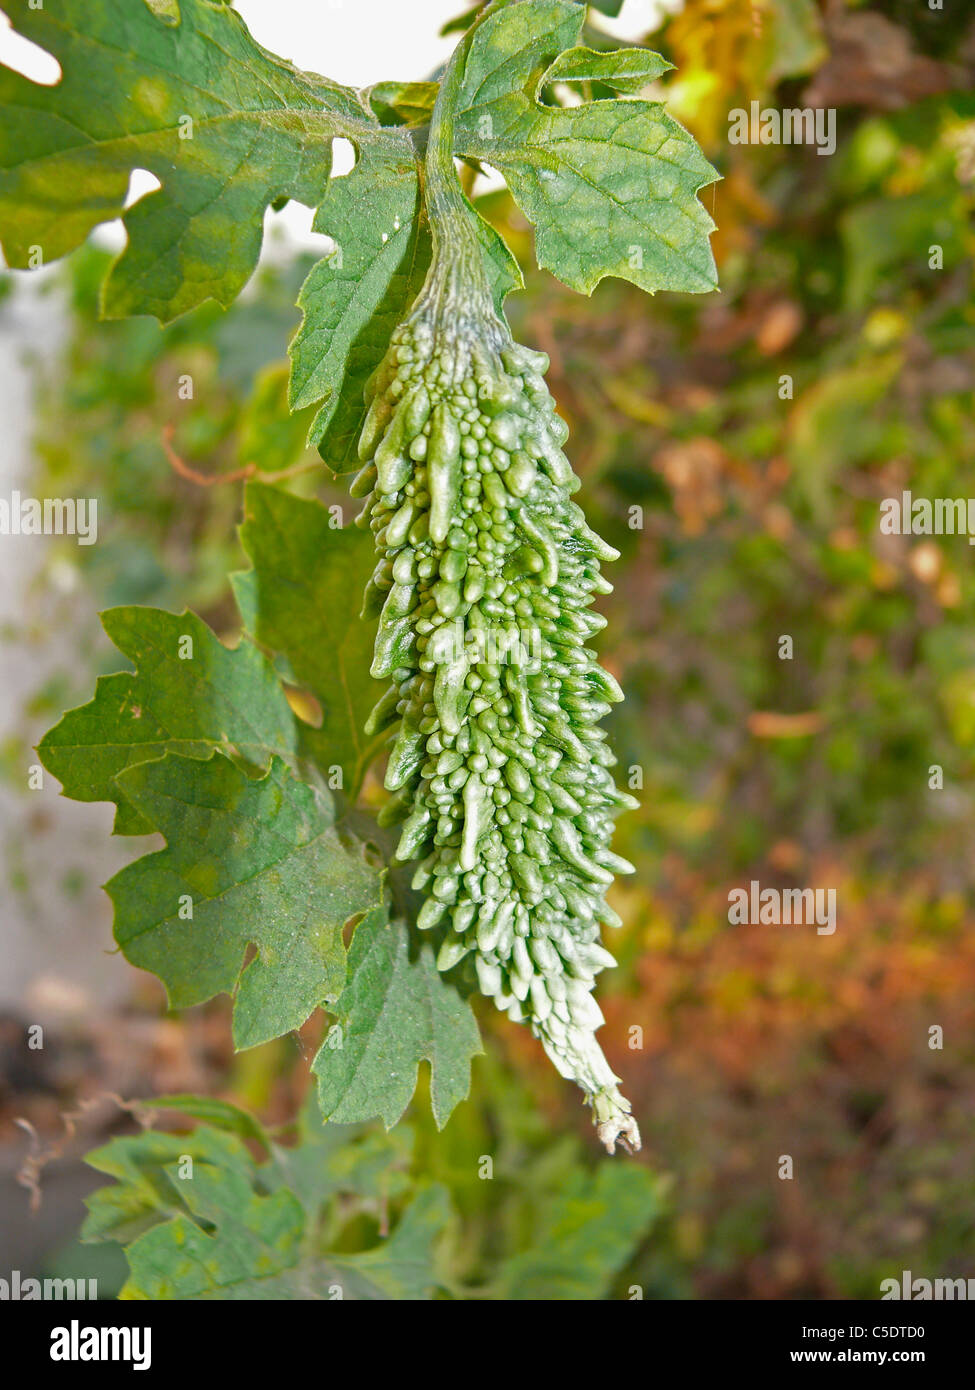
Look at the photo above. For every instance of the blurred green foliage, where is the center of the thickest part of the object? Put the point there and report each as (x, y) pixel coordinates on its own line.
(214, 384)
(379, 1215)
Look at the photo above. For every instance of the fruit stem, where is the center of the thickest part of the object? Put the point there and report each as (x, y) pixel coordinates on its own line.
(456, 295)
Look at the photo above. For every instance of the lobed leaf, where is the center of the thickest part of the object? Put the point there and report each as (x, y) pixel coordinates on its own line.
(611, 186)
(396, 1011)
(142, 1196)
(254, 1240)
(257, 864)
(183, 92)
(189, 695)
(224, 1227)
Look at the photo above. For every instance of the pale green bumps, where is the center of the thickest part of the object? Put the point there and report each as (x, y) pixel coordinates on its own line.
(499, 770)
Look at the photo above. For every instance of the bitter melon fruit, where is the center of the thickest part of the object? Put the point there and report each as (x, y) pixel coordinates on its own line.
(499, 769)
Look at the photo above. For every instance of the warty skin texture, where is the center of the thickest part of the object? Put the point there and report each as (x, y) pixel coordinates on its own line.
(499, 770)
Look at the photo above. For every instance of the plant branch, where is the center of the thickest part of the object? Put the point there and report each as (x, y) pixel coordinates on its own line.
(236, 475)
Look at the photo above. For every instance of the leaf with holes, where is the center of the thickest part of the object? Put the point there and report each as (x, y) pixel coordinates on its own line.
(183, 91)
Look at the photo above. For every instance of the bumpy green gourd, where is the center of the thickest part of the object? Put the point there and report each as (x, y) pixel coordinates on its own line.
(499, 771)
(499, 768)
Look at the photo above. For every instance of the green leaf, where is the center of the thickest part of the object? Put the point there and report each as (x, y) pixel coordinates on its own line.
(402, 103)
(328, 1159)
(255, 1250)
(224, 1227)
(396, 1011)
(355, 297)
(306, 594)
(209, 698)
(184, 92)
(142, 1196)
(584, 1236)
(261, 864)
(223, 1114)
(625, 70)
(503, 271)
(611, 186)
(402, 1268)
(254, 1240)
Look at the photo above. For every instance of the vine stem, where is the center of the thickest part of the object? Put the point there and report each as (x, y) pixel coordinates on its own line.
(456, 291)
(236, 475)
